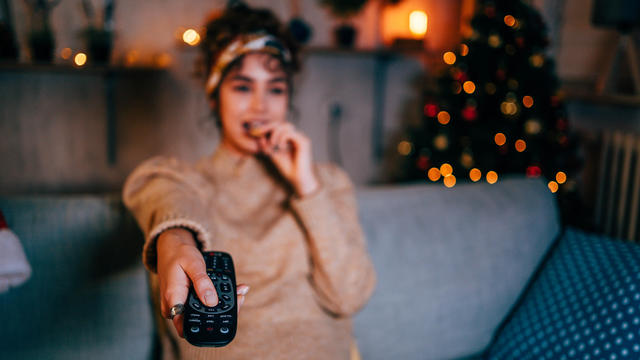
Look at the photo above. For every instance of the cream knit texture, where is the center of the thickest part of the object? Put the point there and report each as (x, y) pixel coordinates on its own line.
(305, 259)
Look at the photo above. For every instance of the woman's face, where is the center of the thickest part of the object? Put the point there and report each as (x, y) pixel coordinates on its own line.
(251, 95)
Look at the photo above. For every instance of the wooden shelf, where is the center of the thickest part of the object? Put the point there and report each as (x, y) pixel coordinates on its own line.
(71, 69)
(108, 72)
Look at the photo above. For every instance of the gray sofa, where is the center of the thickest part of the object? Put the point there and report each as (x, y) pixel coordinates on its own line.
(451, 264)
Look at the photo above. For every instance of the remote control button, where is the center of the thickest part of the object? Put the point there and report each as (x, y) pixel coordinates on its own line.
(209, 329)
(225, 287)
(196, 305)
(226, 297)
(194, 315)
(224, 330)
(225, 306)
(227, 321)
(197, 321)
(211, 316)
(210, 322)
(195, 329)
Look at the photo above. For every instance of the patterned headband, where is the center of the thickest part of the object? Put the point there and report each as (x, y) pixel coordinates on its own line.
(241, 45)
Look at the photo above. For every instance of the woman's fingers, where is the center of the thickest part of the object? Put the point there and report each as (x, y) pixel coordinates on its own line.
(175, 289)
(177, 322)
(241, 291)
(197, 272)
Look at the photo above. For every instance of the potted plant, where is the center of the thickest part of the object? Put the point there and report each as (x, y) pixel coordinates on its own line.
(99, 32)
(344, 10)
(41, 39)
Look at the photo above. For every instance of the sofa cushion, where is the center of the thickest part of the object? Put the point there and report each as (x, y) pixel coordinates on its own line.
(450, 263)
(584, 304)
(88, 296)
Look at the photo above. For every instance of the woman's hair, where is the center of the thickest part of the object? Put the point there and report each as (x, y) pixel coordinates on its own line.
(238, 19)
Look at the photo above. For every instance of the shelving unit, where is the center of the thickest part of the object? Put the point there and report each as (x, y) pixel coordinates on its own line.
(382, 57)
(108, 72)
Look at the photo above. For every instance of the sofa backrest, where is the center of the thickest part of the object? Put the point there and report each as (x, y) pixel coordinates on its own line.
(88, 296)
(450, 263)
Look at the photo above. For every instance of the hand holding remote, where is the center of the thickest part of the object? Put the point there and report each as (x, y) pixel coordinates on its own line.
(181, 264)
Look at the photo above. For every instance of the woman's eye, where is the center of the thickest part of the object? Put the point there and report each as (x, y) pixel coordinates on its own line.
(277, 91)
(242, 88)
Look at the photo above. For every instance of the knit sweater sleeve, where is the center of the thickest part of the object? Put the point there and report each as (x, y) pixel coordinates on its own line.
(342, 273)
(163, 193)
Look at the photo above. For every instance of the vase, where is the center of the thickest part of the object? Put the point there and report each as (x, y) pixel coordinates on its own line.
(42, 45)
(345, 35)
(99, 45)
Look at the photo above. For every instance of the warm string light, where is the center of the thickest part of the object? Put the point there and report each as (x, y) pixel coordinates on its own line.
(418, 23)
(449, 181)
(521, 145)
(444, 117)
(553, 186)
(492, 177)
(449, 58)
(66, 53)
(404, 148)
(469, 87)
(446, 169)
(191, 37)
(433, 174)
(464, 50)
(527, 101)
(475, 174)
(561, 177)
(80, 59)
(500, 139)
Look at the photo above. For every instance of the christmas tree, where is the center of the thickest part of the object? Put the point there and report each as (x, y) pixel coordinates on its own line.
(496, 109)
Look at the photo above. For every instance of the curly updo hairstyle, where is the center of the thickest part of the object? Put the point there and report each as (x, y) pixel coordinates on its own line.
(237, 19)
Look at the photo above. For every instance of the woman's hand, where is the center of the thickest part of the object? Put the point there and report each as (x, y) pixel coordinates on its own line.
(180, 263)
(290, 151)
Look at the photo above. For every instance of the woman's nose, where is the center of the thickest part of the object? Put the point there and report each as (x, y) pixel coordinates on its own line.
(258, 102)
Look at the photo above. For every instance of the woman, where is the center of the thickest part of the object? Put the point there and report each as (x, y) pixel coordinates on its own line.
(290, 225)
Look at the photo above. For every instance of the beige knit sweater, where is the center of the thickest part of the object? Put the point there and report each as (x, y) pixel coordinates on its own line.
(305, 259)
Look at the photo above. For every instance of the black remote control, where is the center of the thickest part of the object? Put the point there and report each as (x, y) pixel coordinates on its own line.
(213, 326)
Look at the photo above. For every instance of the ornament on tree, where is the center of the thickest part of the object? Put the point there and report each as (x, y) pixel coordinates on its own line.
(494, 40)
(423, 162)
(470, 113)
(532, 127)
(441, 142)
(533, 171)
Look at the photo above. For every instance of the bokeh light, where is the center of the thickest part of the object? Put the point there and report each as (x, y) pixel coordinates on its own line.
(404, 148)
(469, 87)
(492, 177)
(446, 169)
(521, 145)
(66, 53)
(509, 20)
(449, 58)
(500, 139)
(475, 174)
(449, 181)
(433, 174)
(80, 59)
(444, 117)
(561, 177)
(464, 49)
(553, 186)
(191, 37)
(527, 101)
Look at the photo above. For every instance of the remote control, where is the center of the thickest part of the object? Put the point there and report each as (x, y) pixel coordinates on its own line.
(213, 326)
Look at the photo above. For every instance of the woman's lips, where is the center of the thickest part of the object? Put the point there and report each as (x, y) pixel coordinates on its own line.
(254, 128)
